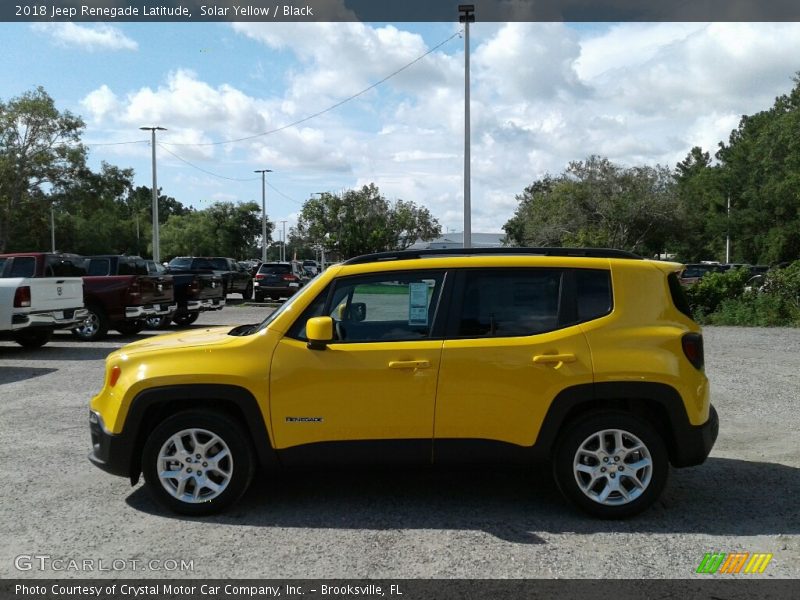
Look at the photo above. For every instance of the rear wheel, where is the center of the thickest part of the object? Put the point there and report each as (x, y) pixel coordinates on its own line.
(612, 465)
(198, 462)
(259, 297)
(248, 292)
(33, 339)
(275, 296)
(95, 327)
(157, 322)
(183, 319)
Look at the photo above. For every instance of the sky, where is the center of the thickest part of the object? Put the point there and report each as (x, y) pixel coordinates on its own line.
(542, 95)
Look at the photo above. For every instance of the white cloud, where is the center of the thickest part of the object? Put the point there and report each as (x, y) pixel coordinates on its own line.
(100, 36)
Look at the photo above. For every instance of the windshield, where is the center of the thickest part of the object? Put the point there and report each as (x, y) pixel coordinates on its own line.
(265, 323)
(275, 269)
(180, 263)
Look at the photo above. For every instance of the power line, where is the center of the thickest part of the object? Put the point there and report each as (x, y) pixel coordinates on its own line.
(207, 172)
(284, 195)
(330, 108)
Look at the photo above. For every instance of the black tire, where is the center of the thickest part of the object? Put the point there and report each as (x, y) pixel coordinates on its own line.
(248, 292)
(130, 327)
(275, 297)
(240, 465)
(95, 327)
(183, 319)
(259, 297)
(157, 322)
(33, 339)
(586, 432)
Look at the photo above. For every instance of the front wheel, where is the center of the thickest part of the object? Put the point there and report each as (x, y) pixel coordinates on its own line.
(158, 322)
(198, 462)
(33, 339)
(612, 465)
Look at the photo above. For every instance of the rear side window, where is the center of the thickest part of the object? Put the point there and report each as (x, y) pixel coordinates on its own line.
(3, 263)
(508, 303)
(220, 264)
(22, 266)
(99, 267)
(64, 267)
(678, 297)
(593, 291)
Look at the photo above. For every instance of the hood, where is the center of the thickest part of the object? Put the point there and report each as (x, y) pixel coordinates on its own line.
(213, 336)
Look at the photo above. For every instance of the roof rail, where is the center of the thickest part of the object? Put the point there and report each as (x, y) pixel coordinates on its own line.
(412, 254)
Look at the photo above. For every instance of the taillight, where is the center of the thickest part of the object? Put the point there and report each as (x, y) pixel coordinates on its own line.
(693, 349)
(22, 297)
(113, 377)
(260, 276)
(194, 287)
(135, 289)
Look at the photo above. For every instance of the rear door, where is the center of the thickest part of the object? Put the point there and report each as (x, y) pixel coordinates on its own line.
(510, 349)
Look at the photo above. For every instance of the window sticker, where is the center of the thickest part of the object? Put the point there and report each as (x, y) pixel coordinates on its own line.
(418, 303)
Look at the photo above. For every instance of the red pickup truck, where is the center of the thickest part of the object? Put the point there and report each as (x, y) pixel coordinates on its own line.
(117, 290)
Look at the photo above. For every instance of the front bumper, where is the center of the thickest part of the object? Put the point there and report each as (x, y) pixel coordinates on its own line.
(204, 305)
(693, 443)
(110, 452)
(149, 310)
(50, 319)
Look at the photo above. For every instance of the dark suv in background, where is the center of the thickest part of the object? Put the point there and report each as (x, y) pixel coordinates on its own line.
(278, 280)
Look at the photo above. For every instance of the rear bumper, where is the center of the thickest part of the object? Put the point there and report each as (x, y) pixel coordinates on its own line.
(694, 443)
(150, 310)
(281, 290)
(50, 319)
(206, 304)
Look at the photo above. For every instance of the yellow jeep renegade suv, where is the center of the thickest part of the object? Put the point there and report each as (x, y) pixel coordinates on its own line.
(587, 358)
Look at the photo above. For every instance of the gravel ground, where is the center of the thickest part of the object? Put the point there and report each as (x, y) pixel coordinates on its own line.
(496, 524)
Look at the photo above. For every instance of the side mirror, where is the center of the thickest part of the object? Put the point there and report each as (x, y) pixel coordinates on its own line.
(319, 331)
(358, 311)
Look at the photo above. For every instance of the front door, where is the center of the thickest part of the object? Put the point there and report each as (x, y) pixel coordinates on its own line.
(369, 396)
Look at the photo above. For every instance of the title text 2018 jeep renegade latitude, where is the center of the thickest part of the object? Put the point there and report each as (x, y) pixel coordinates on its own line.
(587, 358)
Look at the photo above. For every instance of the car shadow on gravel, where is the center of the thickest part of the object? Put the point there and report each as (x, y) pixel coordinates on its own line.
(13, 374)
(78, 351)
(722, 497)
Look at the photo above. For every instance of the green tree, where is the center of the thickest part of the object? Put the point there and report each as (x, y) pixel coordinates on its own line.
(761, 167)
(597, 203)
(39, 150)
(363, 221)
(223, 229)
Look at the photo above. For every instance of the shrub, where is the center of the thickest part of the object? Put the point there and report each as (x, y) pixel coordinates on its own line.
(710, 291)
(755, 309)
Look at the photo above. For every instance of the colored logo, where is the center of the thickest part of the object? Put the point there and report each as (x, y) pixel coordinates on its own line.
(734, 563)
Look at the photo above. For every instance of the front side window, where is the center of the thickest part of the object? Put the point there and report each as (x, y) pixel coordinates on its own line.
(509, 303)
(388, 307)
(99, 267)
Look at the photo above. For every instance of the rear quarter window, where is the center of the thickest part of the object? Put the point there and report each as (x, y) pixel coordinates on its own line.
(22, 266)
(593, 291)
(678, 296)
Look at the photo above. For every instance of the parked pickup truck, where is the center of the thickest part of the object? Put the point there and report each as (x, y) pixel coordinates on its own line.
(194, 293)
(236, 279)
(32, 308)
(120, 294)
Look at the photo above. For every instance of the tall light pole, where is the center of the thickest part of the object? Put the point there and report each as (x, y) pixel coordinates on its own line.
(466, 15)
(263, 212)
(52, 229)
(728, 234)
(156, 244)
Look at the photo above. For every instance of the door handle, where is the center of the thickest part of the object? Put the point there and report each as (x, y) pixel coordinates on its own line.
(409, 364)
(557, 359)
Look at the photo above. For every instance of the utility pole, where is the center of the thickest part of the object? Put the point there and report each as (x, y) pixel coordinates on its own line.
(156, 243)
(283, 245)
(466, 15)
(263, 212)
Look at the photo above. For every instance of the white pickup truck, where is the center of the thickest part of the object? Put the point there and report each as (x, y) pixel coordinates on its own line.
(31, 308)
